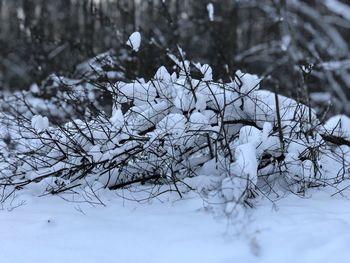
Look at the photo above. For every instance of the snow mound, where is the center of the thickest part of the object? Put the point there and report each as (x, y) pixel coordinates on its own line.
(40, 123)
(134, 41)
(339, 126)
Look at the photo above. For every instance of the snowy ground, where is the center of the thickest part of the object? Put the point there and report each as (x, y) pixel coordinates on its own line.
(51, 230)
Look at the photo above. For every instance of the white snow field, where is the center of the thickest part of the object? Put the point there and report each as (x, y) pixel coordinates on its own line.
(49, 229)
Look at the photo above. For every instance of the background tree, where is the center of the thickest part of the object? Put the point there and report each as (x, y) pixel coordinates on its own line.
(293, 41)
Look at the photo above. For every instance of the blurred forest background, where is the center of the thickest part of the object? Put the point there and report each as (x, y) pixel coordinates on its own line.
(301, 47)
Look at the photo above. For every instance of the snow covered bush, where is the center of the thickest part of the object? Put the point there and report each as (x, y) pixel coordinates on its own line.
(232, 140)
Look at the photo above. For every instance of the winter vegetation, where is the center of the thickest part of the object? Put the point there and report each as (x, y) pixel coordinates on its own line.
(232, 140)
(159, 111)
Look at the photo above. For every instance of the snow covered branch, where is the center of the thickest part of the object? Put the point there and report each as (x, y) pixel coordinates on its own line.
(231, 138)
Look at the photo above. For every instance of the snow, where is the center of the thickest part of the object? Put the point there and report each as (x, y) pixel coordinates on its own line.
(206, 70)
(336, 65)
(233, 189)
(40, 123)
(49, 229)
(338, 125)
(246, 164)
(134, 41)
(117, 118)
(198, 121)
(34, 88)
(174, 127)
(210, 9)
(339, 8)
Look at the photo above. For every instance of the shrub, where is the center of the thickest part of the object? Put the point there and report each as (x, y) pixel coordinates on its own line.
(178, 132)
